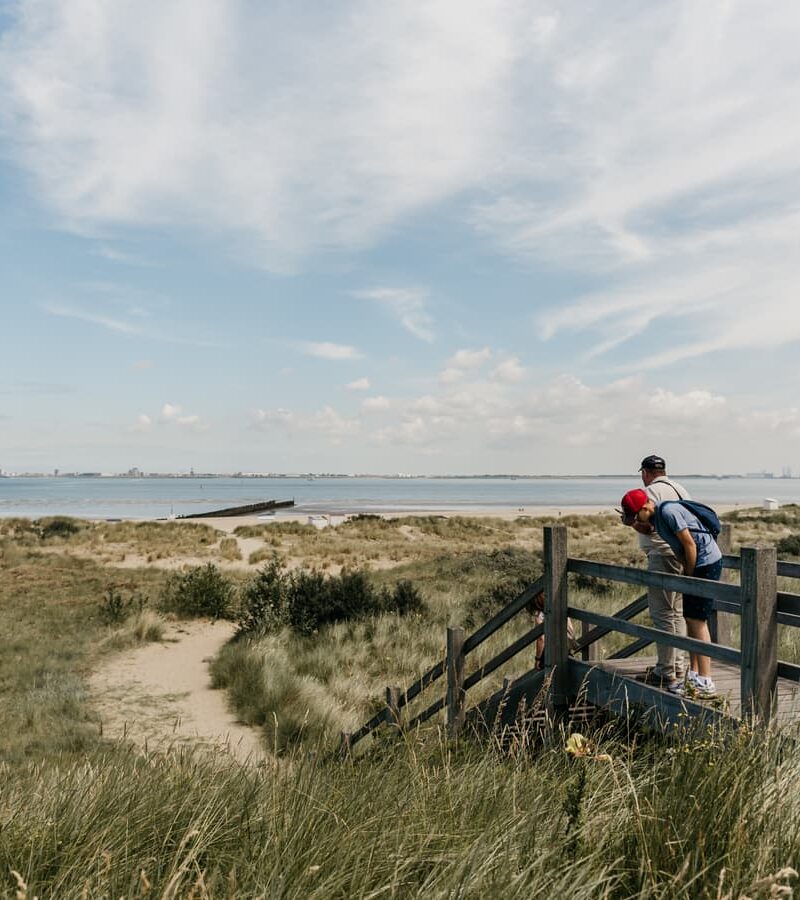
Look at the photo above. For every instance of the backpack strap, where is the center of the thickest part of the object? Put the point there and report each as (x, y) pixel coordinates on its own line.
(666, 480)
(695, 530)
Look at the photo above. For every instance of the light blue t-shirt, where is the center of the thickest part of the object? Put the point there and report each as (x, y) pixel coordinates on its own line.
(674, 517)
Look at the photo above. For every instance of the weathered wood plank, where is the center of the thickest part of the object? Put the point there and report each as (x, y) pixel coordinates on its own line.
(789, 603)
(504, 656)
(420, 684)
(504, 706)
(789, 671)
(627, 612)
(788, 569)
(726, 654)
(719, 622)
(393, 706)
(435, 707)
(556, 646)
(632, 649)
(759, 631)
(455, 679)
(588, 645)
(697, 586)
(367, 727)
(619, 695)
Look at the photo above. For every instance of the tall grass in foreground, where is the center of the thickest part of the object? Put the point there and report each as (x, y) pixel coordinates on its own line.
(708, 815)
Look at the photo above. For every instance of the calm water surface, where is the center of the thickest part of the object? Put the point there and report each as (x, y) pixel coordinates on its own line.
(145, 498)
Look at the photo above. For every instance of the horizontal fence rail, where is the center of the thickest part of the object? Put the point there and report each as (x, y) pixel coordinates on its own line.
(698, 586)
(440, 668)
(715, 651)
(750, 600)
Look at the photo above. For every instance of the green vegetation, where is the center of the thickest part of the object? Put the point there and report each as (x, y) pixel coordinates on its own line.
(703, 815)
(694, 814)
(306, 601)
(789, 545)
(199, 591)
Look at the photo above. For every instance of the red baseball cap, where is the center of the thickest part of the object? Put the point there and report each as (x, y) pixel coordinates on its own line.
(632, 502)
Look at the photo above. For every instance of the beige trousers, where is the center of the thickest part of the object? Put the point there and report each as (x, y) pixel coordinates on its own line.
(666, 611)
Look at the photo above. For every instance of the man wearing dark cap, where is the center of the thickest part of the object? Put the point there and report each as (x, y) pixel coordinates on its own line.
(666, 607)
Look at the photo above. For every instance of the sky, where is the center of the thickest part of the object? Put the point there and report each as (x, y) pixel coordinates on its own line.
(421, 237)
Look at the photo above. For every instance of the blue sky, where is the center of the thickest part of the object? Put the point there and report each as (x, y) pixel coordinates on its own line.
(422, 237)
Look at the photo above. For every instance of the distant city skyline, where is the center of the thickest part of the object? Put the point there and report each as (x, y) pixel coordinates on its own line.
(422, 237)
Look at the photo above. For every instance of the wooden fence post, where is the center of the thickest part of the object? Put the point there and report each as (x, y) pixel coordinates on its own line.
(556, 649)
(393, 707)
(759, 631)
(719, 623)
(589, 652)
(455, 679)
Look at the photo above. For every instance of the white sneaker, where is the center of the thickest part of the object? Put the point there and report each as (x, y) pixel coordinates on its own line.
(705, 688)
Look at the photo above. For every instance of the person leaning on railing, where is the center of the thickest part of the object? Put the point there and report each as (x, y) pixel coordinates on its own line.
(701, 557)
(666, 607)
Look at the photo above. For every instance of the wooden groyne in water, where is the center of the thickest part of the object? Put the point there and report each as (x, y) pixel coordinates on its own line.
(249, 510)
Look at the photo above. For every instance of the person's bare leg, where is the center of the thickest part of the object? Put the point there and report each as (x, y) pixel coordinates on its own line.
(698, 629)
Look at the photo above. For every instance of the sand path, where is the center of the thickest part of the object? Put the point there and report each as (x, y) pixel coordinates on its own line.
(160, 695)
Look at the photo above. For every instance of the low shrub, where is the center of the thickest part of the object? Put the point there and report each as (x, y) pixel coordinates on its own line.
(501, 575)
(114, 608)
(307, 600)
(790, 545)
(57, 526)
(262, 603)
(200, 591)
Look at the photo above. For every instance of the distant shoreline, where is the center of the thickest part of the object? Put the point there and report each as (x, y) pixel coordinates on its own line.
(397, 477)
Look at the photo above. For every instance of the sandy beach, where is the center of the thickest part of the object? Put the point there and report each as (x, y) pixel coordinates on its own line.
(507, 513)
(229, 523)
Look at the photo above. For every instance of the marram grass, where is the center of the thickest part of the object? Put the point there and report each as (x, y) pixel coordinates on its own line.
(706, 815)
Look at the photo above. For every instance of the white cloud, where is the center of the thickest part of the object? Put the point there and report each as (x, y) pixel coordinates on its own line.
(510, 370)
(652, 148)
(408, 306)
(450, 375)
(142, 365)
(172, 414)
(112, 254)
(375, 404)
(469, 359)
(103, 321)
(126, 114)
(327, 350)
(691, 405)
(143, 423)
(462, 362)
(327, 422)
(360, 384)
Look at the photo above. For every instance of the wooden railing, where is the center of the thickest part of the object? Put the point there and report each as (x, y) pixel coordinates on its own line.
(756, 600)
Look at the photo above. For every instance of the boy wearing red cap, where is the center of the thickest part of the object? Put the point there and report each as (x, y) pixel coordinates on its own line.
(701, 557)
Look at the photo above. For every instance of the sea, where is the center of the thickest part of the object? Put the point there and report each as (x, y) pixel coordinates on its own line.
(165, 497)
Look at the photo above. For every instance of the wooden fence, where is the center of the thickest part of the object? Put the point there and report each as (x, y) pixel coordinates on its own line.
(756, 600)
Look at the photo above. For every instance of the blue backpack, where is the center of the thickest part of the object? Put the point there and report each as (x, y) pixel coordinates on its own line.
(705, 514)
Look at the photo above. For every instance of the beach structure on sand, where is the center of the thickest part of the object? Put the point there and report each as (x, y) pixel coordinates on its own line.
(751, 681)
(249, 510)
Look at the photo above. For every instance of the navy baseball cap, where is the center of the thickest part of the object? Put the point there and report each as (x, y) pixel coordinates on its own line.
(653, 462)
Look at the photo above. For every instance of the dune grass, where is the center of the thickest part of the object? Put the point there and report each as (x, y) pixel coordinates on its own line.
(703, 815)
(693, 814)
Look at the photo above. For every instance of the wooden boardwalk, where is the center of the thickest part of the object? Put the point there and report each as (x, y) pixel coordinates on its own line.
(752, 682)
(727, 678)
